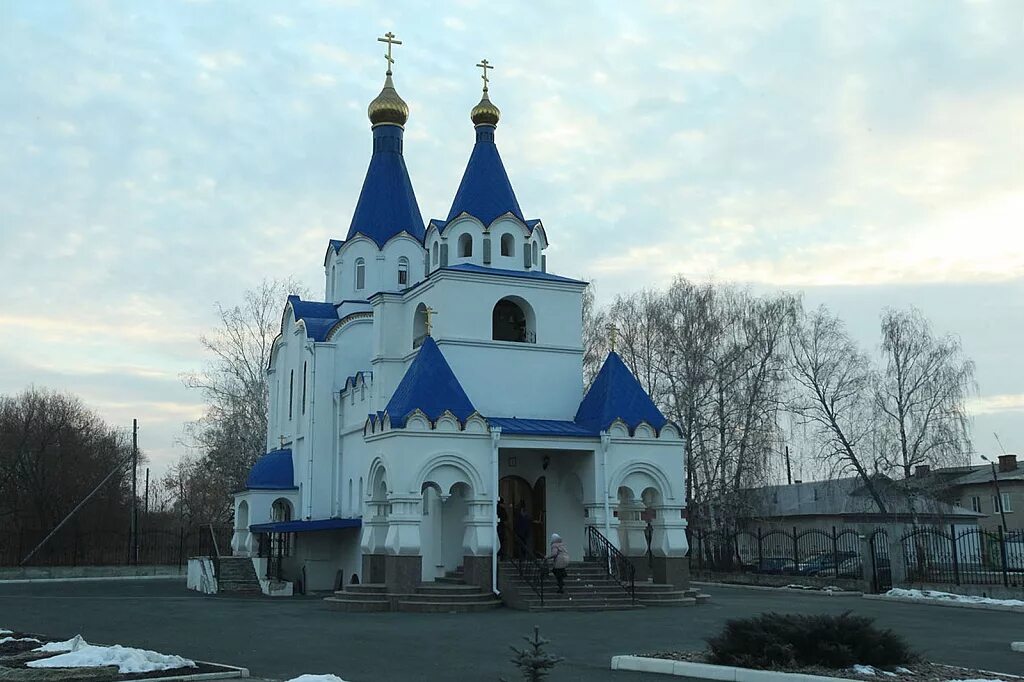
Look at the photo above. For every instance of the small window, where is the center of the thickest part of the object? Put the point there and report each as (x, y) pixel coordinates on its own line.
(360, 274)
(508, 245)
(465, 245)
(511, 321)
(976, 504)
(303, 388)
(403, 271)
(536, 251)
(334, 280)
(435, 253)
(291, 392)
(1005, 506)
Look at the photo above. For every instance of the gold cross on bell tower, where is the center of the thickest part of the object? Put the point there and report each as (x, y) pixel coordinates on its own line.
(484, 64)
(611, 335)
(281, 439)
(389, 38)
(428, 325)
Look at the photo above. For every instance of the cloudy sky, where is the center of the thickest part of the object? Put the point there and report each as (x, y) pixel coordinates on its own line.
(158, 157)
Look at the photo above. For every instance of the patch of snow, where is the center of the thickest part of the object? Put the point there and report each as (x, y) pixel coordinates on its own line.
(949, 596)
(798, 587)
(870, 670)
(5, 632)
(4, 640)
(904, 671)
(68, 645)
(127, 659)
(316, 678)
(981, 680)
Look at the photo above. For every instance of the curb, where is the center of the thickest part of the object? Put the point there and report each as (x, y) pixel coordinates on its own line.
(946, 603)
(233, 672)
(706, 671)
(782, 588)
(1017, 646)
(22, 581)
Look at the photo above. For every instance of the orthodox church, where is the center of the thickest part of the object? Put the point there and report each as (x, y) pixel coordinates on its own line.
(430, 412)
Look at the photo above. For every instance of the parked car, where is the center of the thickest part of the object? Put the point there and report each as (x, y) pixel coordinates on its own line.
(774, 566)
(822, 562)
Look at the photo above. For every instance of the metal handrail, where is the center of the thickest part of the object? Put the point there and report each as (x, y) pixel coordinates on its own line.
(532, 570)
(618, 566)
(216, 551)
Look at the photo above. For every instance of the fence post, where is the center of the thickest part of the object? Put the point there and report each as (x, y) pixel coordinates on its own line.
(760, 548)
(796, 549)
(1002, 552)
(956, 562)
(835, 551)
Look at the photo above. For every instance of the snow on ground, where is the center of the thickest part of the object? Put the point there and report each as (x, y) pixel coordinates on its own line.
(68, 645)
(871, 670)
(948, 596)
(316, 678)
(5, 640)
(984, 680)
(81, 654)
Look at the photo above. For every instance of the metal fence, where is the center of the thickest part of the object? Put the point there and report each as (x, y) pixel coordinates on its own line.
(813, 552)
(969, 556)
(74, 547)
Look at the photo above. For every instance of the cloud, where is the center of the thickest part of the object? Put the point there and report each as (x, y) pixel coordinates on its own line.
(994, 404)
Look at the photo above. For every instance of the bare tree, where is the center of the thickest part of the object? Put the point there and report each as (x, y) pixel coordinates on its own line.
(595, 345)
(232, 434)
(922, 395)
(832, 393)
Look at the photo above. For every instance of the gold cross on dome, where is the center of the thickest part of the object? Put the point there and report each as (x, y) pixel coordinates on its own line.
(484, 64)
(281, 438)
(429, 325)
(611, 335)
(389, 38)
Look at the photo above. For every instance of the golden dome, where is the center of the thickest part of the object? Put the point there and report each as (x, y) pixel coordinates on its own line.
(388, 107)
(485, 112)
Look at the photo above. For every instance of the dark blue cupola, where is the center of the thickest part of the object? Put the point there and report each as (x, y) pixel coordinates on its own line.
(485, 191)
(387, 204)
(616, 394)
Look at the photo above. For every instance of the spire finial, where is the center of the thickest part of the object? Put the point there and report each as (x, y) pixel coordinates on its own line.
(281, 439)
(611, 335)
(485, 112)
(428, 325)
(389, 38)
(484, 64)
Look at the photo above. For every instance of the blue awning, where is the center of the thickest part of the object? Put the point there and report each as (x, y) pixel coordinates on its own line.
(305, 526)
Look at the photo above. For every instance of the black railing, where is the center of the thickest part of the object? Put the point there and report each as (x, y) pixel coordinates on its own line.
(274, 548)
(619, 568)
(531, 568)
(826, 553)
(970, 556)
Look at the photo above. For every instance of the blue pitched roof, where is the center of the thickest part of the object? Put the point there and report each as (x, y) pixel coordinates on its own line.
(272, 471)
(485, 191)
(318, 317)
(616, 394)
(387, 203)
(541, 427)
(429, 385)
(524, 274)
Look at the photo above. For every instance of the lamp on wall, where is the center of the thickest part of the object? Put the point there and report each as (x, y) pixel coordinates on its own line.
(545, 462)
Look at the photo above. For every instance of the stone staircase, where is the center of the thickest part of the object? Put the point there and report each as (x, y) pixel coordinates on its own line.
(236, 575)
(589, 588)
(449, 594)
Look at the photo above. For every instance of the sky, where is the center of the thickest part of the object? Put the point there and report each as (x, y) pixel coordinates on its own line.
(158, 157)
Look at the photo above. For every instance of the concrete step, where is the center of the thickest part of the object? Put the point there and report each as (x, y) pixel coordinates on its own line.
(597, 607)
(365, 588)
(424, 605)
(449, 580)
(445, 598)
(360, 605)
(448, 589)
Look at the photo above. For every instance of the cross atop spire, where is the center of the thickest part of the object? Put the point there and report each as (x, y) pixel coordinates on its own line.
(484, 64)
(389, 38)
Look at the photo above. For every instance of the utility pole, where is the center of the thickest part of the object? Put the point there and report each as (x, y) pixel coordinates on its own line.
(999, 495)
(134, 558)
(145, 508)
(789, 470)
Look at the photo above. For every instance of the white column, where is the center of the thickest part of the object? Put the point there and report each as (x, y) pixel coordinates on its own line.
(478, 539)
(375, 527)
(668, 538)
(633, 540)
(403, 535)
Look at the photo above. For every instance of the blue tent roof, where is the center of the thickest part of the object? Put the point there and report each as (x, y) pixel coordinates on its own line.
(387, 204)
(485, 192)
(429, 385)
(319, 317)
(272, 471)
(616, 394)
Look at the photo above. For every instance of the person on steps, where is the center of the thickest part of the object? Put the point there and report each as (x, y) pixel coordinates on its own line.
(559, 556)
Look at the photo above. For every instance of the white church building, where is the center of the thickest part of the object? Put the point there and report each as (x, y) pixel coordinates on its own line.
(443, 371)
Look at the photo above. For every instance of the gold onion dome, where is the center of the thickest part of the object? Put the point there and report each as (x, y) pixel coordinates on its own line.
(388, 107)
(485, 113)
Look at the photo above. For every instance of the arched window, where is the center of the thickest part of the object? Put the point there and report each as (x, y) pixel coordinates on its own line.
(513, 320)
(281, 510)
(334, 281)
(535, 252)
(465, 245)
(419, 325)
(303, 388)
(508, 245)
(291, 392)
(360, 274)
(435, 253)
(403, 271)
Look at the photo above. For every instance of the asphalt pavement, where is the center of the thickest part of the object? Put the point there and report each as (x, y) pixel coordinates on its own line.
(282, 638)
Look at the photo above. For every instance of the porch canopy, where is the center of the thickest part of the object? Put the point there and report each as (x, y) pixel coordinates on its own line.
(304, 526)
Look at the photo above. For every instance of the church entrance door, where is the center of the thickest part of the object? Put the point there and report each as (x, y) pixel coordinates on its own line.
(520, 497)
